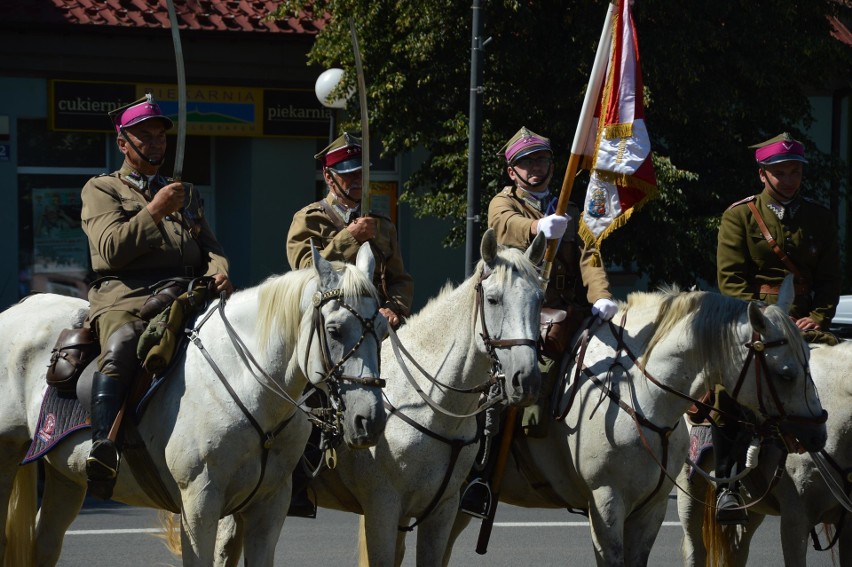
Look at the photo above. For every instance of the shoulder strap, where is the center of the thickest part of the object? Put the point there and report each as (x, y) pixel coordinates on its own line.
(332, 214)
(772, 243)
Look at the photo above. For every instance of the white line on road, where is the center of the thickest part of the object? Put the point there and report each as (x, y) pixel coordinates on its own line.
(496, 525)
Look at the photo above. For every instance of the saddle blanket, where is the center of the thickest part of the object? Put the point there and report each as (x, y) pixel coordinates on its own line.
(700, 441)
(59, 418)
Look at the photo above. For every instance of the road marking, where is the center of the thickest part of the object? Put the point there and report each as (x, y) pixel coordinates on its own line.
(496, 525)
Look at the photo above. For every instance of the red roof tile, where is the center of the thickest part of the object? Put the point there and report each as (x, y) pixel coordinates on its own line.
(219, 15)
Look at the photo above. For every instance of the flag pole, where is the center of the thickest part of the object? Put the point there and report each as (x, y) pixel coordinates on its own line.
(581, 134)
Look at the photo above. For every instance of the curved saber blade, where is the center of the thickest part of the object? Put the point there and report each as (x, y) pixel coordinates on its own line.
(181, 82)
(365, 126)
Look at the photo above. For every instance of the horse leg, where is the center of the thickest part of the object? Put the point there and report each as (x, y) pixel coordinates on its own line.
(261, 525)
(60, 504)
(845, 542)
(461, 522)
(606, 516)
(691, 513)
(229, 542)
(364, 557)
(641, 529)
(795, 528)
(378, 538)
(200, 509)
(433, 534)
(17, 540)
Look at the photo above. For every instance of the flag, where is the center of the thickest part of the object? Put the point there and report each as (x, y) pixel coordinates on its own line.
(617, 147)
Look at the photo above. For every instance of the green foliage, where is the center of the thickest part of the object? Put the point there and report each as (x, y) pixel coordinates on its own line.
(718, 77)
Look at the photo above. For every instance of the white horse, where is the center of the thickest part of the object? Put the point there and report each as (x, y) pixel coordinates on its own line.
(223, 432)
(802, 497)
(621, 433)
(480, 333)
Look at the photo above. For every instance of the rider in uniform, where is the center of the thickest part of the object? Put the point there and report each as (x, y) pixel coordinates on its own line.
(578, 281)
(142, 228)
(750, 266)
(337, 227)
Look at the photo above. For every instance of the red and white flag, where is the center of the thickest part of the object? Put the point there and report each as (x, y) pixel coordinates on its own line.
(617, 147)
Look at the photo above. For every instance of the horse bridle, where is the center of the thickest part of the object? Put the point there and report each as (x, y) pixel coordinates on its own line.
(496, 378)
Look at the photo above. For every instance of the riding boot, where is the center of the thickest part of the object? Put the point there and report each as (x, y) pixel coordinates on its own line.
(729, 503)
(102, 463)
(301, 505)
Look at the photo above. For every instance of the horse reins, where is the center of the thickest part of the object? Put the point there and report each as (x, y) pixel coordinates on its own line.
(496, 377)
(332, 375)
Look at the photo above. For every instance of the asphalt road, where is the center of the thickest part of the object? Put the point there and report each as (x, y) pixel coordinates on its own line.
(112, 534)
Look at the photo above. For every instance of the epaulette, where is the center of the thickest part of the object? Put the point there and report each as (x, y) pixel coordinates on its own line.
(742, 201)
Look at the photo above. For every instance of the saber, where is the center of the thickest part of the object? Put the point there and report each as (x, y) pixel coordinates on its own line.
(365, 125)
(181, 81)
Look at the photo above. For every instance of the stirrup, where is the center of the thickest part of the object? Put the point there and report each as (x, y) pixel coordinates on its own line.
(730, 509)
(476, 499)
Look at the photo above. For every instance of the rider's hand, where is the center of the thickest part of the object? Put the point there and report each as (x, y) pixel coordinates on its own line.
(807, 324)
(363, 229)
(604, 308)
(222, 283)
(393, 319)
(552, 226)
(168, 200)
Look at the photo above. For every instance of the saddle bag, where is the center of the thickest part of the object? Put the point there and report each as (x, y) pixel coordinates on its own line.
(165, 293)
(74, 350)
(160, 340)
(557, 328)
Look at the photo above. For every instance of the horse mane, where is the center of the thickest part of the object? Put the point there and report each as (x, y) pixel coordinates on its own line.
(280, 309)
(507, 259)
(713, 321)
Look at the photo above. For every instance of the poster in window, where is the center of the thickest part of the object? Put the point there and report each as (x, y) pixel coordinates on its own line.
(383, 198)
(59, 244)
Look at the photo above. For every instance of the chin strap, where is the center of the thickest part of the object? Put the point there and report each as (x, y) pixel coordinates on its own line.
(136, 149)
(775, 193)
(544, 180)
(339, 187)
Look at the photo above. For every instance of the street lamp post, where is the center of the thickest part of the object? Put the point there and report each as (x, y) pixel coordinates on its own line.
(326, 84)
(474, 166)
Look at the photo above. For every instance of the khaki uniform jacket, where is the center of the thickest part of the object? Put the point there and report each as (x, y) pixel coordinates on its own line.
(573, 278)
(745, 262)
(126, 244)
(395, 285)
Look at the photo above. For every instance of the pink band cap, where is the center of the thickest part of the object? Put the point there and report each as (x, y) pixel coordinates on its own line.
(139, 113)
(525, 146)
(784, 150)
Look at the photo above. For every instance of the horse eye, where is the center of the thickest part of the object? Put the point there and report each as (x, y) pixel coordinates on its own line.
(492, 300)
(334, 331)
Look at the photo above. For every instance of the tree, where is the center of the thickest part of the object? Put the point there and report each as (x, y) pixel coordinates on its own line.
(719, 76)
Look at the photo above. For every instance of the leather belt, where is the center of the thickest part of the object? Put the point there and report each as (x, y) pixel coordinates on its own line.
(774, 289)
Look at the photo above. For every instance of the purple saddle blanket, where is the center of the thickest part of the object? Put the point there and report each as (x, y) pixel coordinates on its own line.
(700, 441)
(58, 418)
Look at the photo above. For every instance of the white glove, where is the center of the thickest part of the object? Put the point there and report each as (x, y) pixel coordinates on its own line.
(604, 308)
(553, 226)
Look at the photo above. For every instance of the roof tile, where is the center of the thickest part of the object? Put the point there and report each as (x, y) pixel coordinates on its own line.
(219, 15)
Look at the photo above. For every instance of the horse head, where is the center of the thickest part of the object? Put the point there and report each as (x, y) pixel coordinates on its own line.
(776, 381)
(510, 300)
(344, 342)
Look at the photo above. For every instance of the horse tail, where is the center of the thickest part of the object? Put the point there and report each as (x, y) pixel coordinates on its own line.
(363, 558)
(171, 532)
(715, 540)
(21, 516)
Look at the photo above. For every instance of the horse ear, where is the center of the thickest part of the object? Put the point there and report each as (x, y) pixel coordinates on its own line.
(365, 261)
(535, 252)
(786, 294)
(322, 266)
(488, 247)
(756, 318)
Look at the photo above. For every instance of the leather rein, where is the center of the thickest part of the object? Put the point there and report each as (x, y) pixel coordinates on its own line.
(496, 379)
(756, 350)
(332, 376)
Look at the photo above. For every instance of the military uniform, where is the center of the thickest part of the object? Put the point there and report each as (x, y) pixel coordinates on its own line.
(130, 252)
(574, 277)
(324, 222)
(747, 267)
